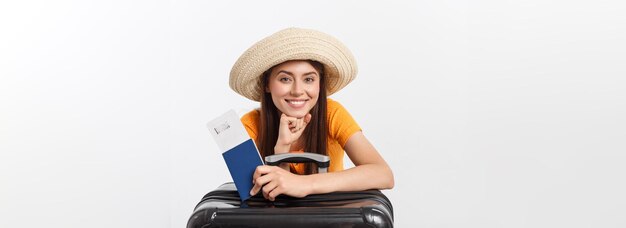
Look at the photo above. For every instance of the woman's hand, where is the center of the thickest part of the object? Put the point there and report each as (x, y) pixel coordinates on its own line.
(273, 181)
(289, 131)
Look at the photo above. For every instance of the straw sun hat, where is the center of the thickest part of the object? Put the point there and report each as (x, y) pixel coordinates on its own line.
(292, 44)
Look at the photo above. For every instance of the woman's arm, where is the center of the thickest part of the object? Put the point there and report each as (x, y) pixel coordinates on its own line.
(370, 172)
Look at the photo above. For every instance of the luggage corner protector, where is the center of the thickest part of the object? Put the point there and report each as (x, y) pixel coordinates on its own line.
(203, 219)
(376, 217)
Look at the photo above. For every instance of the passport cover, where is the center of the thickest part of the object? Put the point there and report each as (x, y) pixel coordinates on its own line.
(238, 149)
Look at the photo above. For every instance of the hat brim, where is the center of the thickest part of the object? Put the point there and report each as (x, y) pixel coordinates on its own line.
(293, 44)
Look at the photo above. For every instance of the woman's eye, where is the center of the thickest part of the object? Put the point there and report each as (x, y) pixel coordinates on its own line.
(284, 79)
(309, 79)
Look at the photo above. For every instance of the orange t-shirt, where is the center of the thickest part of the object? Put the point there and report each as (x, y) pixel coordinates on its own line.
(341, 126)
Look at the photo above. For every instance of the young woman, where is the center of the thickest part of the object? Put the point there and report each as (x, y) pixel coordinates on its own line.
(291, 73)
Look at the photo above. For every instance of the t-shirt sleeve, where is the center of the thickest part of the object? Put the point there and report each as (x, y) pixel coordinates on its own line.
(341, 124)
(250, 122)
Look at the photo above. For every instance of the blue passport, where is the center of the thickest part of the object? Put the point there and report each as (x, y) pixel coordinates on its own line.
(238, 149)
(242, 160)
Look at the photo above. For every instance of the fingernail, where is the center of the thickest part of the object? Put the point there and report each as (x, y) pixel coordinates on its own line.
(251, 192)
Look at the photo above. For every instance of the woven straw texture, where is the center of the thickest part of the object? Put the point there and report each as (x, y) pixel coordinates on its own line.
(293, 44)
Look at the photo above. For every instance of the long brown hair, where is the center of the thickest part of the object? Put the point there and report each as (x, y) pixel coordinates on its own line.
(315, 133)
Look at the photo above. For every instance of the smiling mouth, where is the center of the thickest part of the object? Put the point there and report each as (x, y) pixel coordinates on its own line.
(296, 102)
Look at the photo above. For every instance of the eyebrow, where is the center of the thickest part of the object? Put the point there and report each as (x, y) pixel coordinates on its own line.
(291, 74)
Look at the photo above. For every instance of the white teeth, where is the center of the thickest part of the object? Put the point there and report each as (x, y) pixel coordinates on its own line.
(296, 102)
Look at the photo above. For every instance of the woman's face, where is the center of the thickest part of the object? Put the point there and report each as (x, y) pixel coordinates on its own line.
(295, 87)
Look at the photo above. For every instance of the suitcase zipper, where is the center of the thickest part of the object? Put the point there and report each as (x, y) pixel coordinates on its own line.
(233, 196)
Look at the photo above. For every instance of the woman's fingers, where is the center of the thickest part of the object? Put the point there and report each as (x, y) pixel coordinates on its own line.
(286, 120)
(260, 182)
(268, 188)
(274, 181)
(296, 124)
(271, 195)
(301, 124)
(260, 178)
(267, 179)
(291, 122)
(291, 128)
(260, 170)
(305, 120)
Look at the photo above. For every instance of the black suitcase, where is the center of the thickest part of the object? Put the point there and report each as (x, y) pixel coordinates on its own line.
(222, 207)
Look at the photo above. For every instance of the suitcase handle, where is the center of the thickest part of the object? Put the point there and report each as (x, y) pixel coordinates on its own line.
(322, 161)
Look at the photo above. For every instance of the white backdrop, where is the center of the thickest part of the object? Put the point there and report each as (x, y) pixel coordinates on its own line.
(491, 113)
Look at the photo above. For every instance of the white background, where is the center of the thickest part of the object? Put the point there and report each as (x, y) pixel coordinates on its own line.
(491, 113)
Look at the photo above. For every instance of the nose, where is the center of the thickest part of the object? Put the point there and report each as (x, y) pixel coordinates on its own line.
(297, 89)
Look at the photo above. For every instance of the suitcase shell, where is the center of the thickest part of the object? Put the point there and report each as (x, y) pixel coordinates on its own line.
(222, 208)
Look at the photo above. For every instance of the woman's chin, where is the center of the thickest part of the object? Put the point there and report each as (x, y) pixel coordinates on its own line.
(296, 114)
